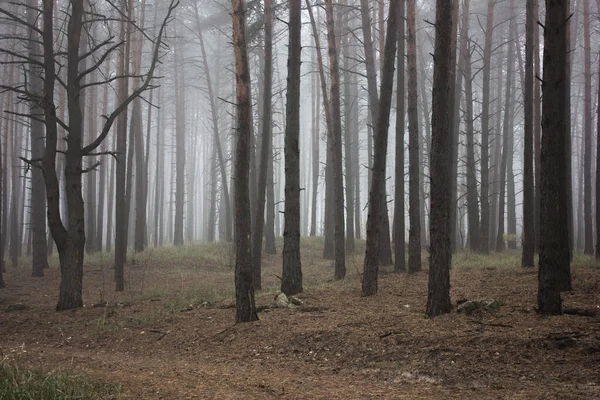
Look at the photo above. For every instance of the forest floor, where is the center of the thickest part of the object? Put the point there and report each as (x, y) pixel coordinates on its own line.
(172, 334)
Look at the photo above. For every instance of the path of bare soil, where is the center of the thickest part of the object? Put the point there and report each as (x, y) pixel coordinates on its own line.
(338, 345)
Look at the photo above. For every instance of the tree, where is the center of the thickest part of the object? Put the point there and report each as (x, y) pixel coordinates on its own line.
(472, 196)
(554, 232)
(39, 259)
(244, 289)
(507, 147)
(371, 265)
(121, 211)
(587, 132)
(414, 233)
(485, 120)
(335, 143)
(399, 225)
(70, 238)
(385, 253)
(266, 144)
(527, 258)
(440, 259)
(598, 168)
(180, 149)
(291, 282)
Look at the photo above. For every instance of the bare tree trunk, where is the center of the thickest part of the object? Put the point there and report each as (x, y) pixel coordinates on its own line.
(506, 139)
(485, 131)
(270, 245)
(316, 116)
(414, 233)
(265, 150)
(399, 224)
(554, 232)
(217, 136)
(472, 196)
(598, 168)
(336, 147)
(537, 126)
(244, 289)
(103, 172)
(438, 298)
(527, 258)
(587, 131)
(180, 150)
(372, 257)
(350, 108)
(39, 260)
(121, 212)
(291, 282)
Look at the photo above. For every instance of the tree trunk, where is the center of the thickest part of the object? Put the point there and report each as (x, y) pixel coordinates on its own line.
(472, 196)
(291, 282)
(587, 131)
(350, 108)
(336, 147)
(506, 140)
(414, 233)
(485, 120)
(121, 212)
(39, 260)
(316, 128)
(598, 168)
(537, 127)
(158, 178)
(217, 136)
(527, 257)
(244, 289)
(440, 259)
(399, 224)
(180, 150)
(371, 265)
(554, 232)
(266, 145)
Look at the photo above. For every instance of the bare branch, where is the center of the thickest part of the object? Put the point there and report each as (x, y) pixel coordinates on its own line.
(137, 92)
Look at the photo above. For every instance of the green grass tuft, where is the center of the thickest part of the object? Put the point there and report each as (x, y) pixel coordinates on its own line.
(21, 384)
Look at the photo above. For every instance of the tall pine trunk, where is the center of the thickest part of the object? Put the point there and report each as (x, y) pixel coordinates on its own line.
(554, 232)
(377, 190)
(244, 289)
(414, 233)
(291, 282)
(335, 144)
(399, 224)
(440, 259)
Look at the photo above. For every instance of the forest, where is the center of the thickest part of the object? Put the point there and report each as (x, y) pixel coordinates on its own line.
(299, 199)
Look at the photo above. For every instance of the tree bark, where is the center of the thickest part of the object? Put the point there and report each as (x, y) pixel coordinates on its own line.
(377, 190)
(414, 233)
(399, 224)
(180, 150)
(336, 147)
(440, 259)
(39, 260)
(244, 289)
(485, 120)
(471, 172)
(527, 257)
(598, 168)
(554, 232)
(587, 132)
(266, 144)
(350, 108)
(121, 211)
(291, 282)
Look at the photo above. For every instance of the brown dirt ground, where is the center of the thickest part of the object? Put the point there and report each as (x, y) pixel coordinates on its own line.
(339, 345)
